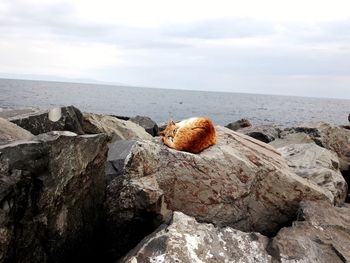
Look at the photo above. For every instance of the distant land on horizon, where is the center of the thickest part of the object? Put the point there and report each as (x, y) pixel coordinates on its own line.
(44, 78)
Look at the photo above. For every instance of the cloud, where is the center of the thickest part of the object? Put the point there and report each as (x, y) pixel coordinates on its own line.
(185, 45)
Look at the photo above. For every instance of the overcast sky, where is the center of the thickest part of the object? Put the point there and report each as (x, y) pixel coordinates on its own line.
(299, 47)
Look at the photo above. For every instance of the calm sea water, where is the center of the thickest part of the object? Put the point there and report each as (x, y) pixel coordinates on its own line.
(163, 104)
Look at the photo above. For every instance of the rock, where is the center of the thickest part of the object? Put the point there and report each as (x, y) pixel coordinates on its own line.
(51, 197)
(239, 182)
(11, 132)
(116, 129)
(329, 136)
(185, 240)
(125, 118)
(291, 138)
(264, 133)
(319, 165)
(242, 123)
(147, 123)
(322, 234)
(57, 119)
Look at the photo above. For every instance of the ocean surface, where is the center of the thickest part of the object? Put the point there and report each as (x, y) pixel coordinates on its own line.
(164, 104)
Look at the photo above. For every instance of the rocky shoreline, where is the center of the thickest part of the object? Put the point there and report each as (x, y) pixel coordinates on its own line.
(84, 187)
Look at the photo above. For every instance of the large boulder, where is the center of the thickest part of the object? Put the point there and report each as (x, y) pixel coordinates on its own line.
(51, 197)
(331, 137)
(57, 119)
(319, 165)
(116, 129)
(264, 133)
(186, 240)
(242, 123)
(147, 123)
(10, 132)
(239, 182)
(322, 234)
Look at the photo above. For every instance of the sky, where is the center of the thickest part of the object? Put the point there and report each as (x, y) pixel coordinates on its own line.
(283, 47)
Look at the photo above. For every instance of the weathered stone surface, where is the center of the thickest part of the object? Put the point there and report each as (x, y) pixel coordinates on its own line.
(116, 129)
(264, 133)
(57, 119)
(242, 123)
(329, 136)
(147, 123)
(51, 197)
(319, 165)
(10, 132)
(291, 138)
(322, 235)
(238, 182)
(185, 240)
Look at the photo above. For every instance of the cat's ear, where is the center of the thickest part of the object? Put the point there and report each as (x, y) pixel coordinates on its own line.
(172, 122)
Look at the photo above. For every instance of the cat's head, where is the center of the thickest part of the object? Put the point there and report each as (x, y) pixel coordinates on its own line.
(169, 130)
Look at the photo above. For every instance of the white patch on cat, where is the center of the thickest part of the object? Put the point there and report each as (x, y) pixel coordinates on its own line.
(185, 122)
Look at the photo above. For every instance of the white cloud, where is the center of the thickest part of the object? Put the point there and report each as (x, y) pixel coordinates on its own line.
(252, 46)
(51, 57)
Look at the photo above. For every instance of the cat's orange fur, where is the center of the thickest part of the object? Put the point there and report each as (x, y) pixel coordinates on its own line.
(192, 135)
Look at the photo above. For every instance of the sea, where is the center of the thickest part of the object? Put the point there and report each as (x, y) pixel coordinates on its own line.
(166, 104)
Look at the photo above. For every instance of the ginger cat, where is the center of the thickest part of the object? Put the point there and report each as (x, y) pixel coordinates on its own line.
(192, 135)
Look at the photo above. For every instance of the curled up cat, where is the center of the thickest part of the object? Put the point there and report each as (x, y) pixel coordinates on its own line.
(192, 135)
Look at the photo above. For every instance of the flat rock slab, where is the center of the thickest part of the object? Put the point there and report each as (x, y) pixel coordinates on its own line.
(116, 129)
(322, 235)
(57, 119)
(147, 123)
(10, 132)
(331, 137)
(318, 165)
(240, 182)
(186, 240)
(291, 138)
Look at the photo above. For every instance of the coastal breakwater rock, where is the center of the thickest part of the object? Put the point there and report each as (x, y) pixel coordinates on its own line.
(51, 197)
(239, 182)
(186, 240)
(57, 119)
(331, 137)
(318, 165)
(264, 133)
(242, 123)
(116, 129)
(147, 123)
(322, 234)
(318, 235)
(10, 132)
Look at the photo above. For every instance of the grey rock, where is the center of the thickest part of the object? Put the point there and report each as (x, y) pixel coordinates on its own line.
(51, 197)
(147, 123)
(322, 234)
(242, 123)
(186, 240)
(291, 138)
(239, 182)
(319, 165)
(10, 132)
(115, 128)
(331, 137)
(57, 119)
(264, 133)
